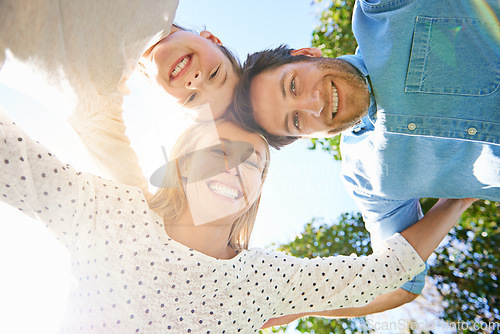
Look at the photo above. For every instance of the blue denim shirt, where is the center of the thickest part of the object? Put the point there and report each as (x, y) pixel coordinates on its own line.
(433, 127)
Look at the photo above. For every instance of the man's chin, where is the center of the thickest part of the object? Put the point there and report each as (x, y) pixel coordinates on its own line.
(348, 124)
(321, 134)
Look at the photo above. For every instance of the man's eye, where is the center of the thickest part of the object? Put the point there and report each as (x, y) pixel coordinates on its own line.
(213, 75)
(292, 86)
(296, 121)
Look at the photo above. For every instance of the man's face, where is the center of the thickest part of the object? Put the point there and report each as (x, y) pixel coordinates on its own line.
(317, 97)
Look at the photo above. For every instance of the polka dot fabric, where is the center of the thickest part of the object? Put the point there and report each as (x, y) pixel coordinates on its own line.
(131, 277)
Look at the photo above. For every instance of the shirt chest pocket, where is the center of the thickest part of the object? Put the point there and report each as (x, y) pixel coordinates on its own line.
(454, 56)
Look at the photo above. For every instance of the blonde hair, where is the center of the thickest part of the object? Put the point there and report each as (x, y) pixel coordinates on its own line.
(170, 200)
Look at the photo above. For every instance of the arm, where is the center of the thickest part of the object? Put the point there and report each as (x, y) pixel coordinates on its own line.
(424, 236)
(102, 131)
(382, 303)
(37, 183)
(339, 282)
(427, 233)
(383, 217)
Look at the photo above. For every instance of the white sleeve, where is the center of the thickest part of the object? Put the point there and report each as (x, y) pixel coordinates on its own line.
(102, 131)
(312, 285)
(37, 183)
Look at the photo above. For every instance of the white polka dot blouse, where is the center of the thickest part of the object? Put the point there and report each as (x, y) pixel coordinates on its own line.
(131, 277)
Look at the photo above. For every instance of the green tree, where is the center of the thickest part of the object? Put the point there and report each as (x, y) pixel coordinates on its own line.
(334, 37)
(345, 237)
(465, 270)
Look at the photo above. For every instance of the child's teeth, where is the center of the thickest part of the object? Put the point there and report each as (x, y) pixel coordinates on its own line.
(180, 66)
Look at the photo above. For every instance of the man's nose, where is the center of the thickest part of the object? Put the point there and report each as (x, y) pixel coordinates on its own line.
(312, 104)
(194, 81)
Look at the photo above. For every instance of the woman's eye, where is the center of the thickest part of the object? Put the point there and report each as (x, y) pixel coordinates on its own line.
(252, 164)
(219, 152)
(292, 86)
(213, 75)
(296, 121)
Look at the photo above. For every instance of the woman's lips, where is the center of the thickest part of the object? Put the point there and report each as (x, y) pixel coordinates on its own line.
(181, 67)
(224, 190)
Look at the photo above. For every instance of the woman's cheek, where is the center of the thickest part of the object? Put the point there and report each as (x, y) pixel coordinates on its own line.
(252, 184)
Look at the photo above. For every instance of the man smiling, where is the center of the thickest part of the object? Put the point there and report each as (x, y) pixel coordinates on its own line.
(419, 104)
(298, 99)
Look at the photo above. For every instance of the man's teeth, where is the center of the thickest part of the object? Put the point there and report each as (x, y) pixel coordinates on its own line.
(335, 99)
(223, 190)
(180, 66)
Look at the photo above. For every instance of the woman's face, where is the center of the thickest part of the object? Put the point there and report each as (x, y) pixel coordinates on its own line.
(224, 174)
(194, 70)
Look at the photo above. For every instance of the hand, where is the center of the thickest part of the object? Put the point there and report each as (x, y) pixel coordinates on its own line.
(284, 320)
(425, 235)
(467, 201)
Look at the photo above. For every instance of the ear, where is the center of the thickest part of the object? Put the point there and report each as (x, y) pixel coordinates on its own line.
(309, 52)
(211, 37)
(174, 28)
(183, 163)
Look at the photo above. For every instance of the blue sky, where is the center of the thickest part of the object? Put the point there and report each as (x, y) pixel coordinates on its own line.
(301, 184)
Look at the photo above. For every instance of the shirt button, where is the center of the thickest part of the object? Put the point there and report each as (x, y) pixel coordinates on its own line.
(412, 126)
(472, 131)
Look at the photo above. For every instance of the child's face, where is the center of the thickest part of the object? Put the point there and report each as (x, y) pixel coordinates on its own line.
(194, 70)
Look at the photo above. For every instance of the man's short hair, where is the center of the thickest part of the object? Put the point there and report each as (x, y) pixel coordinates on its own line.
(256, 63)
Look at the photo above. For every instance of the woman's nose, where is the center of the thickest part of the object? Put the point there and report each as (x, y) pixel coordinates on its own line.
(233, 171)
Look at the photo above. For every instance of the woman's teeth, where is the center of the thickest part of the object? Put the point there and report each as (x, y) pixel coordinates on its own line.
(223, 190)
(179, 66)
(335, 100)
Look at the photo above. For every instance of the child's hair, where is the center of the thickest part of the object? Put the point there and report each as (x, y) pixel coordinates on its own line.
(170, 200)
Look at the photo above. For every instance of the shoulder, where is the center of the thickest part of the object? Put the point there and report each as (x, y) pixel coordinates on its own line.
(381, 6)
(269, 258)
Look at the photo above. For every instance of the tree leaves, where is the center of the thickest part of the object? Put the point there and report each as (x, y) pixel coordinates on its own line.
(345, 237)
(465, 271)
(467, 267)
(333, 36)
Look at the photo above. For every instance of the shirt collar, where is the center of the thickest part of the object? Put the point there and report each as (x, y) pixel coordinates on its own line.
(368, 122)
